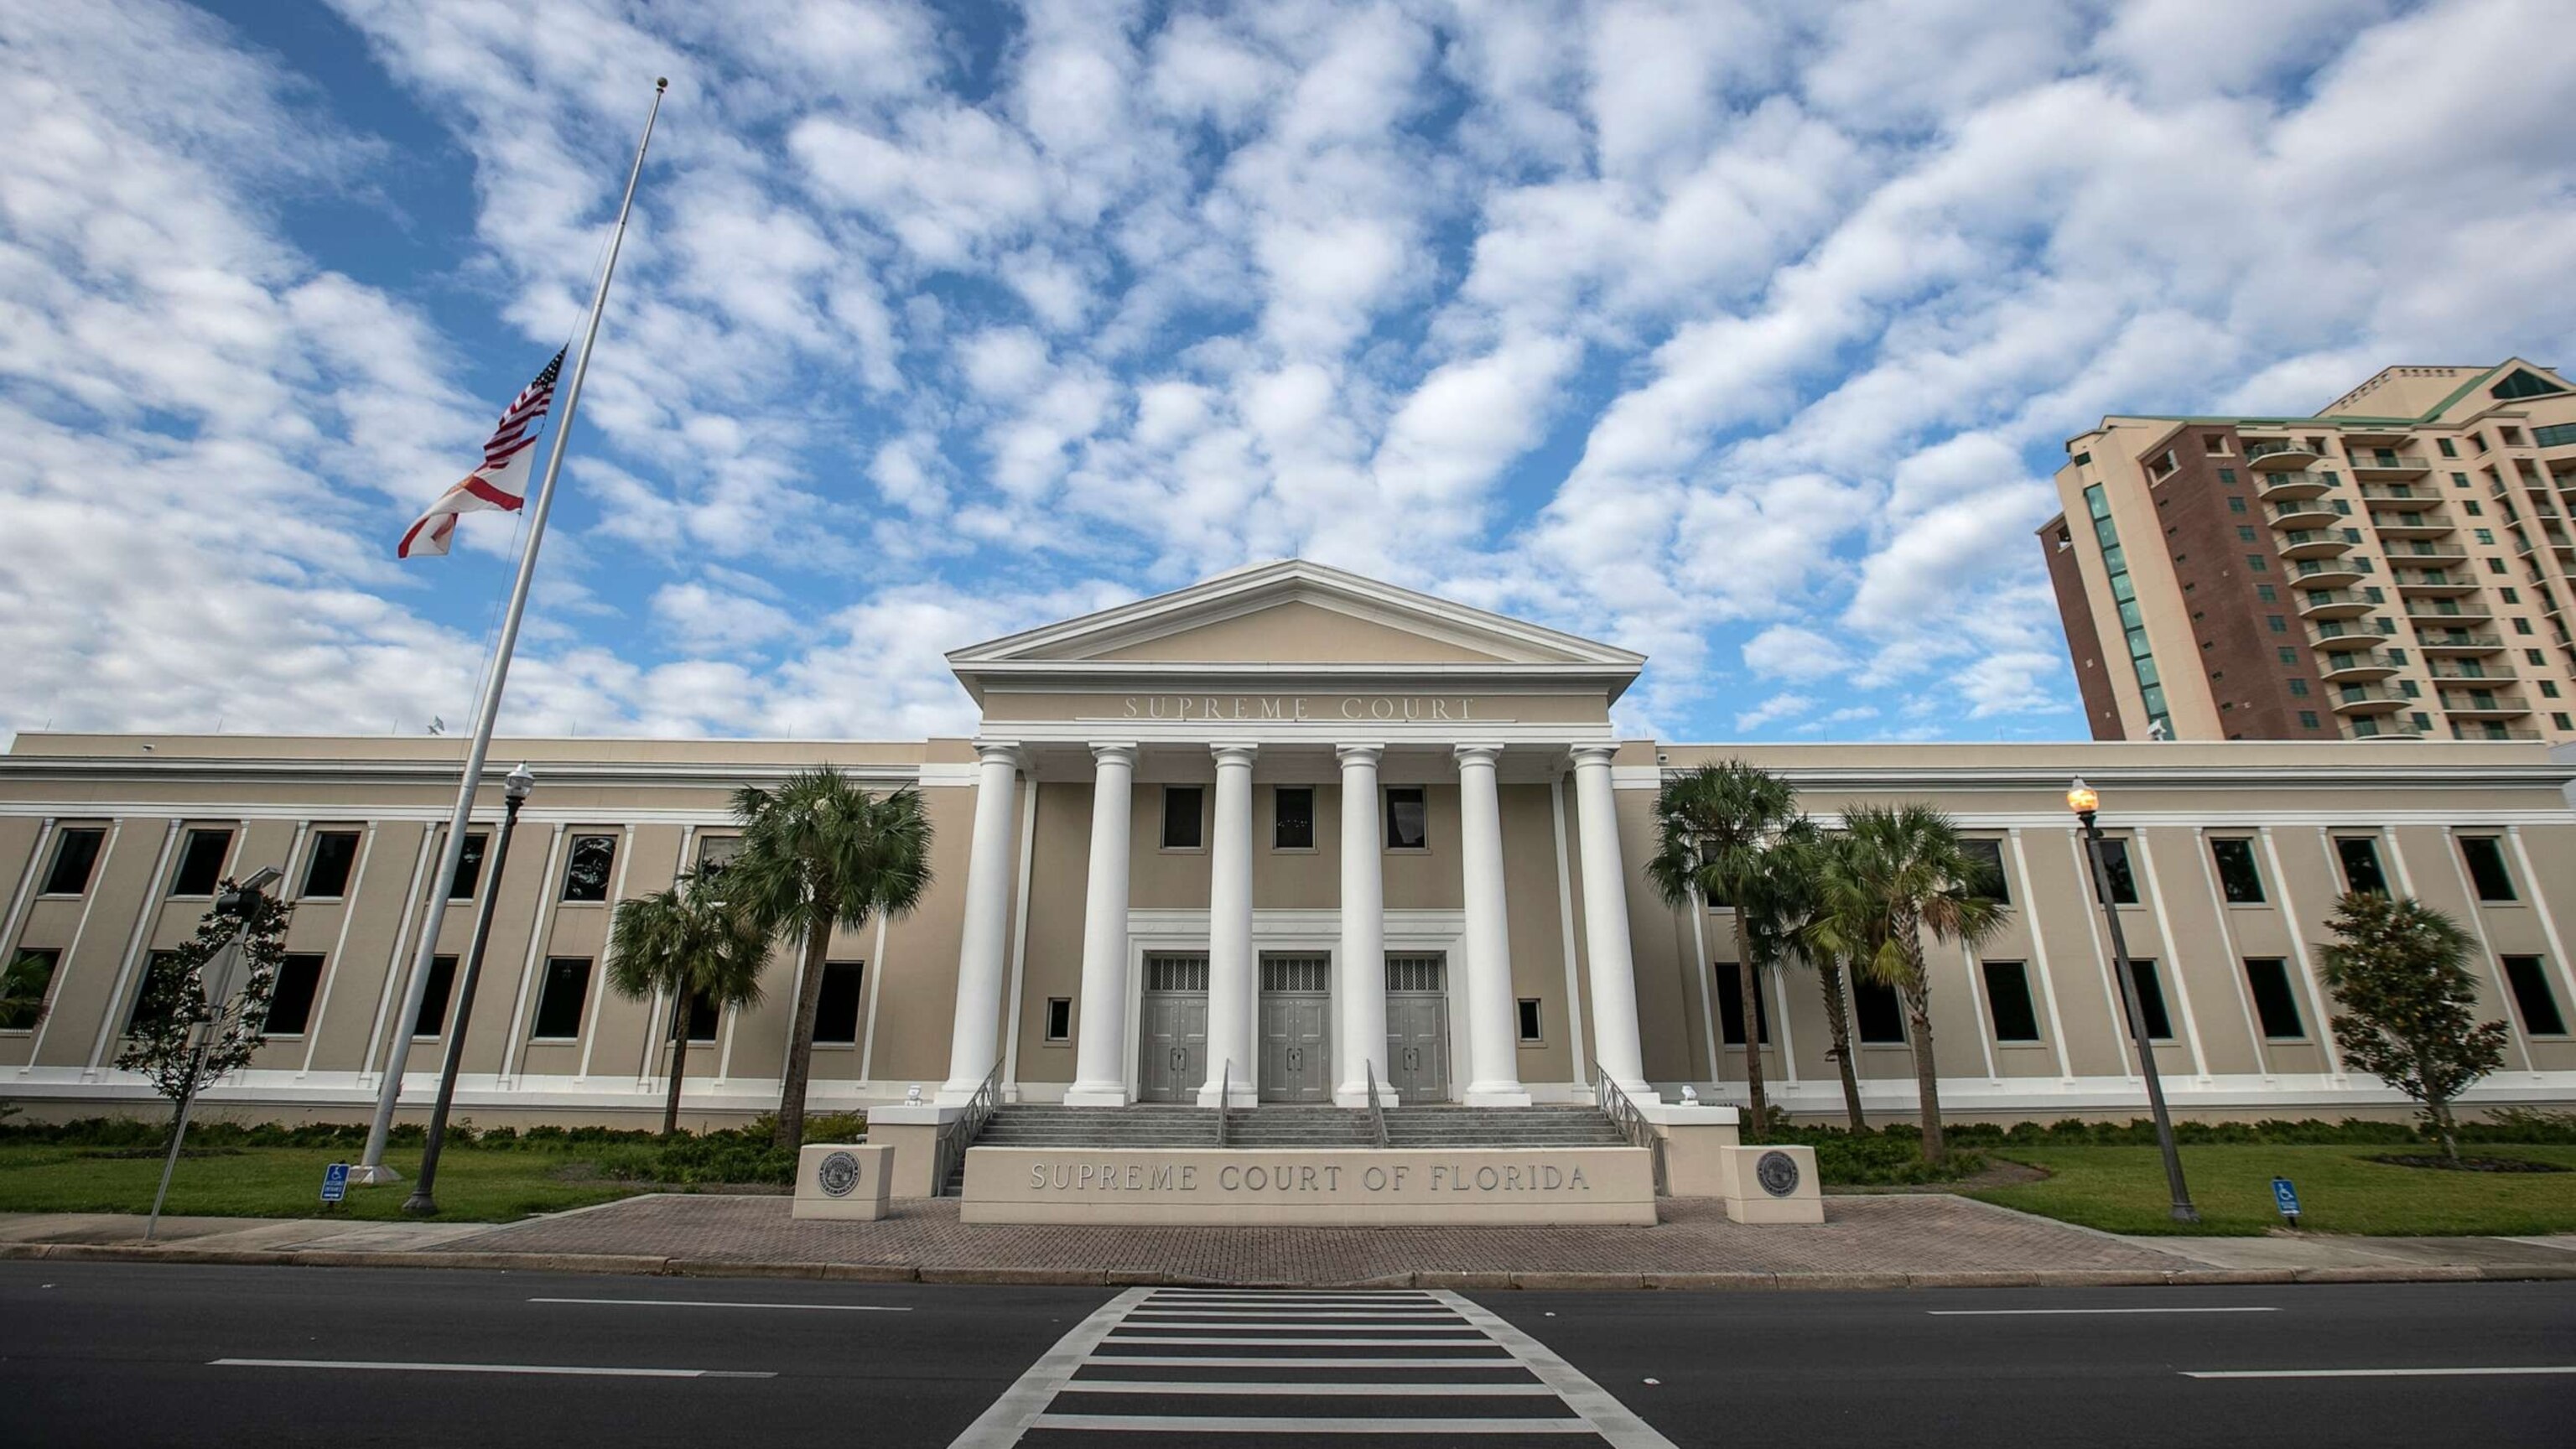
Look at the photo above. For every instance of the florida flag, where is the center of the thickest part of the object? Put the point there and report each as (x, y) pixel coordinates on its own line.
(502, 481)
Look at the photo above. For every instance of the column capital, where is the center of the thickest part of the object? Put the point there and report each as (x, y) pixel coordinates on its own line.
(1122, 752)
(1238, 753)
(998, 752)
(1593, 753)
(1484, 755)
(1358, 754)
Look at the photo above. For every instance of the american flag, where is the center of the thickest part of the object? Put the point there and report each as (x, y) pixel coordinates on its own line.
(502, 481)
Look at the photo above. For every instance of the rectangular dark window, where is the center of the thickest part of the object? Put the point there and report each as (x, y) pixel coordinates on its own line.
(201, 863)
(150, 1005)
(1988, 880)
(1532, 1024)
(31, 978)
(1730, 1006)
(432, 1020)
(715, 852)
(326, 870)
(291, 1005)
(704, 1017)
(2239, 878)
(559, 1001)
(1876, 1011)
(1059, 1018)
(1182, 808)
(836, 1015)
(2532, 996)
(75, 856)
(2115, 864)
(2487, 870)
(1293, 827)
(2274, 1001)
(469, 870)
(1408, 818)
(2008, 1001)
(586, 867)
(2359, 856)
(2151, 1000)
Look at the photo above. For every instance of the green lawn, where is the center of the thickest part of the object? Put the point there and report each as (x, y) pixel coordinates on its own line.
(474, 1184)
(2122, 1190)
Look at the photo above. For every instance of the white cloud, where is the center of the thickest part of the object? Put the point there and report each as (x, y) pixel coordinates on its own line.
(1786, 706)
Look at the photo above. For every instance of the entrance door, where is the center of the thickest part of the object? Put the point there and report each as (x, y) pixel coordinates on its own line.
(1172, 1059)
(1417, 1026)
(1296, 1008)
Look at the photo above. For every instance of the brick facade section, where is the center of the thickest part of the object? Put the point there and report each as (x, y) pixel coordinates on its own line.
(2231, 630)
(2083, 642)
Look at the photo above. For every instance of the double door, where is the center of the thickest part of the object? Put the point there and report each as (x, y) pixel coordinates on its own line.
(1417, 1026)
(1296, 1021)
(1173, 1016)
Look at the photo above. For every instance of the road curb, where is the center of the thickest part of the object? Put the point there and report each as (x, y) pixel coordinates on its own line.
(648, 1265)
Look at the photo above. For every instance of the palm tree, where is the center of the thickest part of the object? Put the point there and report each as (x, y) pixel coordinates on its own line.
(817, 852)
(1728, 833)
(691, 944)
(1894, 873)
(1796, 901)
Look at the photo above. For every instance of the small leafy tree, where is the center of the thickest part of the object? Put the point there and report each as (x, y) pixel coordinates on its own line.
(2400, 972)
(184, 1044)
(691, 944)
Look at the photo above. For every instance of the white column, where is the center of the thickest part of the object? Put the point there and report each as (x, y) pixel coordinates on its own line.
(1099, 1076)
(1493, 1036)
(1231, 1053)
(974, 1038)
(1605, 925)
(1361, 975)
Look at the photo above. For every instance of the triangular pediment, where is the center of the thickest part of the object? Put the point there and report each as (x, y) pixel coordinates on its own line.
(1289, 615)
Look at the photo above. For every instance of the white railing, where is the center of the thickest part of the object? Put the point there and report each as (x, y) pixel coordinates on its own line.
(1632, 1124)
(957, 1136)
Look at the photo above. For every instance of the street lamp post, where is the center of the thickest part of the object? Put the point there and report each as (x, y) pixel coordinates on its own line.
(215, 979)
(423, 1201)
(2082, 799)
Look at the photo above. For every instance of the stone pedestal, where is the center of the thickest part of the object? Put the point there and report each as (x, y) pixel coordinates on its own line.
(847, 1181)
(1770, 1184)
(912, 1132)
(1694, 1138)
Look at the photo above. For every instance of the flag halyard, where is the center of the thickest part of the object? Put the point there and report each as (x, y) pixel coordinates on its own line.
(502, 480)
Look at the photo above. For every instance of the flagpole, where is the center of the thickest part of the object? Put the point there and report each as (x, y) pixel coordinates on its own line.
(372, 1167)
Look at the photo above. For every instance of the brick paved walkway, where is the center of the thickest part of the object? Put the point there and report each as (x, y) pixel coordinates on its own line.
(1911, 1235)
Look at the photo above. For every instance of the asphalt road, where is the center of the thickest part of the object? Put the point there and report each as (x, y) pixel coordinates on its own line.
(133, 1354)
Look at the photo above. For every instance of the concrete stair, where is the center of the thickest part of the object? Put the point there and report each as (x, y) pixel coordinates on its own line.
(1031, 1124)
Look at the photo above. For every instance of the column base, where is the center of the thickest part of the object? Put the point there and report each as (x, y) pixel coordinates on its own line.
(1358, 1096)
(1097, 1094)
(1241, 1096)
(1496, 1094)
(1638, 1091)
(364, 1176)
(958, 1094)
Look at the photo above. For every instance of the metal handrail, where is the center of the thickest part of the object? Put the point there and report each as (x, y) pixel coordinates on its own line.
(1377, 1115)
(1632, 1124)
(955, 1137)
(1224, 1090)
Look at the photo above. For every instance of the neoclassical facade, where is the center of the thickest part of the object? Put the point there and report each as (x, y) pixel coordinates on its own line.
(1287, 835)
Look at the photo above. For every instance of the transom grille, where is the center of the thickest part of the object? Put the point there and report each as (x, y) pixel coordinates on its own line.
(1428, 971)
(1296, 973)
(1176, 971)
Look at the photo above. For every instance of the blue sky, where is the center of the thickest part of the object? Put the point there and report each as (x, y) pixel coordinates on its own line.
(1743, 334)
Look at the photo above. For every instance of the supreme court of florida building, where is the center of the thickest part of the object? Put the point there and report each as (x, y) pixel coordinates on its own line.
(1277, 835)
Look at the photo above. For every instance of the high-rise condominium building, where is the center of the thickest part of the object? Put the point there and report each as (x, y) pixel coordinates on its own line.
(2398, 565)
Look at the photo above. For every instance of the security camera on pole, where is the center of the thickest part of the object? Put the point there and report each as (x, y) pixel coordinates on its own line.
(500, 482)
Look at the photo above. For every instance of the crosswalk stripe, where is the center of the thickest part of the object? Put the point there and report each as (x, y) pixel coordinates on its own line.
(1441, 1333)
(1229, 1424)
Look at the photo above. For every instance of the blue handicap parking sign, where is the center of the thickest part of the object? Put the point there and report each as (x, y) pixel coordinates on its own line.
(2285, 1195)
(335, 1182)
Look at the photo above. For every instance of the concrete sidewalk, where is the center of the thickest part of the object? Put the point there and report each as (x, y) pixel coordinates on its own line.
(1929, 1240)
